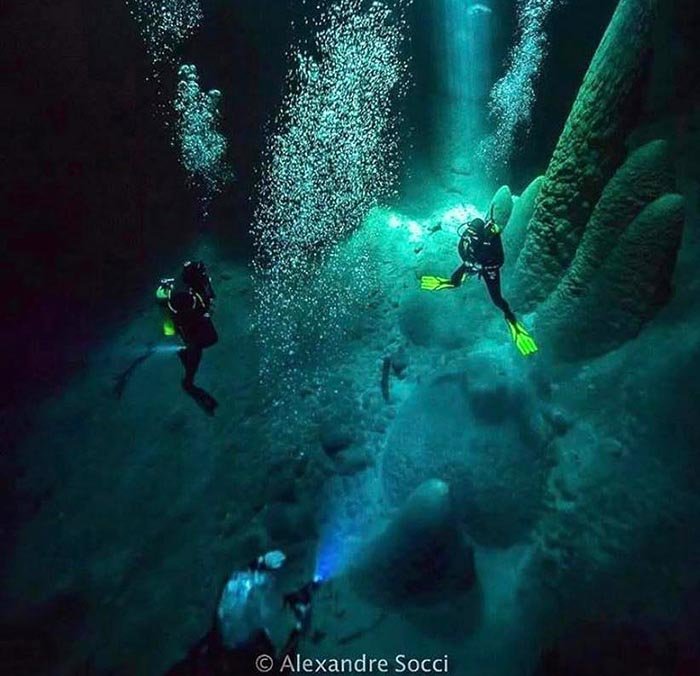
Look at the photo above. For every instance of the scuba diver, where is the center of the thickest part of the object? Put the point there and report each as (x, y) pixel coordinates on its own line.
(481, 250)
(188, 307)
(240, 635)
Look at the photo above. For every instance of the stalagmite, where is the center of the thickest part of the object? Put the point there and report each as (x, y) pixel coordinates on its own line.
(630, 287)
(590, 150)
(514, 234)
(646, 175)
(501, 206)
(421, 556)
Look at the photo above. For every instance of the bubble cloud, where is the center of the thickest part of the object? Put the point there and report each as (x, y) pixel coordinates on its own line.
(165, 25)
(333, 156)
(513, 96)
(202, 145)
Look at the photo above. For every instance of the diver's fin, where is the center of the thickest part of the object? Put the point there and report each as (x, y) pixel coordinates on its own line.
(121, 379)
(201, 397)
(431, 283)
(523, 340)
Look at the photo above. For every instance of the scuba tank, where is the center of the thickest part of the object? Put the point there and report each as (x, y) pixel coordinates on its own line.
(165, 288)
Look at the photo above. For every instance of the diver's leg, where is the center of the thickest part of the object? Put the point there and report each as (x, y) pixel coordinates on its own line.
(458, 276)
(492, 279)
(191, 356)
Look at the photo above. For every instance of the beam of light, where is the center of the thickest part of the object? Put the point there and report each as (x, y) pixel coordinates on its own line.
(463, 43)
(332, 554)
(467, 36)
(166, 349)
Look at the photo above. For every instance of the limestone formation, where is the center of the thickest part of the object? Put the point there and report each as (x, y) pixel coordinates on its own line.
(628, 290)
(590, 150)
(479, 430)
(645, 176)
(421, 557)
(514, 234)
(501, 206)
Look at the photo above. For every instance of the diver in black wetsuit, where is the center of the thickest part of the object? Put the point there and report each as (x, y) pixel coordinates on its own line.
(211, 656)
(188, 306)
(481, 250)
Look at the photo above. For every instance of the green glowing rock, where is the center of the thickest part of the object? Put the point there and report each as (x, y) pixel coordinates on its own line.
(591, 148)
(627, 291)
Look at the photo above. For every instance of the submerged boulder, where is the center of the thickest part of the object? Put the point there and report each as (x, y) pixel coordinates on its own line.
(422, 556)
(591, 148)
(629, 288)
(481, 432)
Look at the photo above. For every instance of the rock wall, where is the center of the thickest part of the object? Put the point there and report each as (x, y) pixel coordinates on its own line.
(625, 292)
(501, 206)
(585, 298)
(589, 151)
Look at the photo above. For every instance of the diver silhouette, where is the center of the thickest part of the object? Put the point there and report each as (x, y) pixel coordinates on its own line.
(239, 636)
(188, 308)
(481, 250)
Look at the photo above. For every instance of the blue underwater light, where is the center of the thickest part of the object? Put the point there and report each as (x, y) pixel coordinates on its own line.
(330, 556)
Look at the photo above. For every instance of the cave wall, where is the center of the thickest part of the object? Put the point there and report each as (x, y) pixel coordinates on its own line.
(96, 204)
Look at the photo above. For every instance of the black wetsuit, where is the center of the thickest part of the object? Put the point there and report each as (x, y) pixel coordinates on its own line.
(483, 255)
(190, 313)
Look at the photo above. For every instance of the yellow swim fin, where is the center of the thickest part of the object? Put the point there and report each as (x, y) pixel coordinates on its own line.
(431, 283)
(522, 339)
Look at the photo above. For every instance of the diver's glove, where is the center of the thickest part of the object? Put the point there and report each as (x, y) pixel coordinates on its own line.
(431, 283)
(522, 339)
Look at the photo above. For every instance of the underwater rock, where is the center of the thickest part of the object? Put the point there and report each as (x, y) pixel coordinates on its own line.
(38, 637)
(589, 151)
(481, 432)
(422, 556)
(616, 648)
(646, 175)
(514, 233)
(629, 288)
(501, 206)
(352, 461)
(436, 320)
(400, 362)
(286, 523)
(335, 438)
